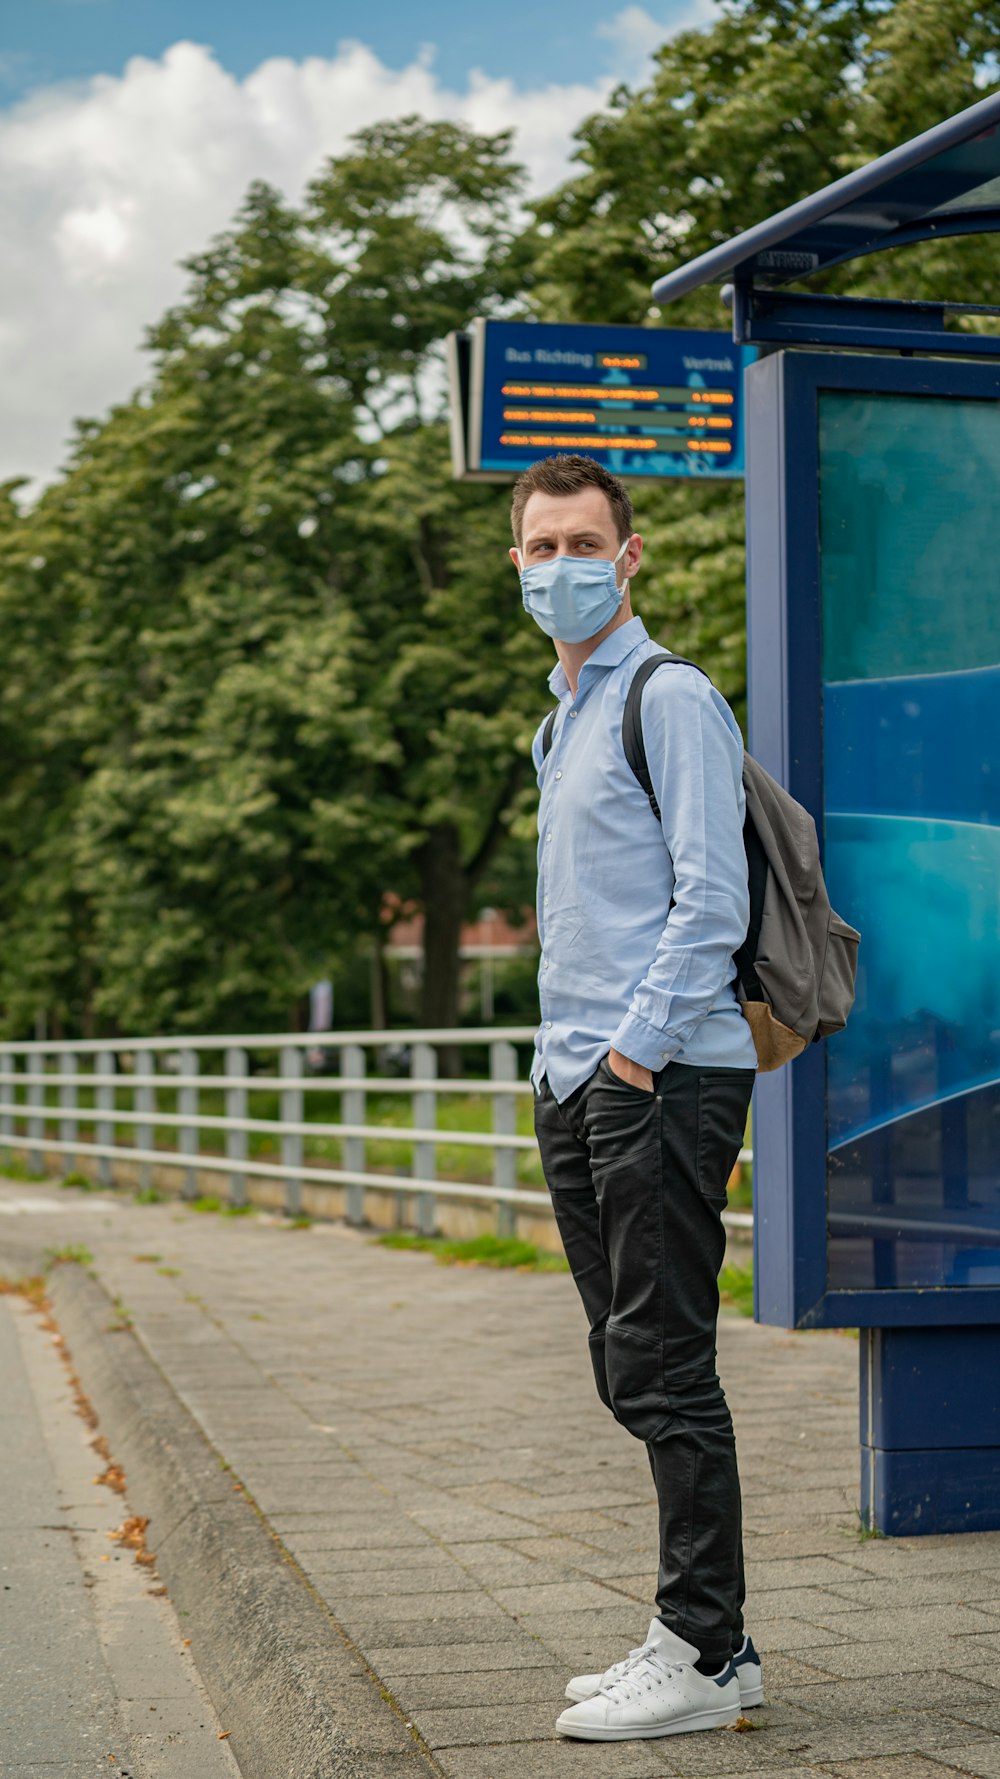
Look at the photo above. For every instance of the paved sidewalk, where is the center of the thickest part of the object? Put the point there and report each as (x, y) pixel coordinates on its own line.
(426, 1443)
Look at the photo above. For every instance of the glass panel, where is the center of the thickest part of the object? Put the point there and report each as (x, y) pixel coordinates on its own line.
(981, 197)
(911, 710)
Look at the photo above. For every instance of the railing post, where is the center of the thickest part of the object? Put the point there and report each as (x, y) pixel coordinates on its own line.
(188, 1133)
(236, 1107)
(503, 1067)
(36, 1126)
(353, 1103)
(423, 1065)
(291, 1113)
(104, 1130)
(67, 1100)
(145, 1133)
(7, 1126)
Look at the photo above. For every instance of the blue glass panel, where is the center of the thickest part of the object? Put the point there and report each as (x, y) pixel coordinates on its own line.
(915, 745)
(911, 741)
(909, 535)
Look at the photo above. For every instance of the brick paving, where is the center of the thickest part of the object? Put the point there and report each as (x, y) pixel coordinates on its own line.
(426, 1443)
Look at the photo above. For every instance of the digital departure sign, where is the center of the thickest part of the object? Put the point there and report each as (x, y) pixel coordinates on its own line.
(645, 402)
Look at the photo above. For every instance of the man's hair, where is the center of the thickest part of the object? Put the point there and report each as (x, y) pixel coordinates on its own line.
(567, 475)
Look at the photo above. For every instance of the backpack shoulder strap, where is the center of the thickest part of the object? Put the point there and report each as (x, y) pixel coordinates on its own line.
(550, 723)
(632, 741)
(757, 867)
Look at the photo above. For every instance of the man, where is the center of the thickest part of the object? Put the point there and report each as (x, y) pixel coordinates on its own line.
(643, 1072)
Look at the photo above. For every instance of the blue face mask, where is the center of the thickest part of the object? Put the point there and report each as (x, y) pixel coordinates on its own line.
(573, 597)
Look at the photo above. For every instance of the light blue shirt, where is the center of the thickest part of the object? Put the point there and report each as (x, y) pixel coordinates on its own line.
(639, 921)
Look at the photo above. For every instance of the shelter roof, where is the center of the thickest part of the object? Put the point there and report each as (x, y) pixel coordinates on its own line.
(943, 182)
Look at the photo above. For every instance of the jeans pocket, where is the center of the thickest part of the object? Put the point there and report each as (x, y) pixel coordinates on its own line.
(723, 1101)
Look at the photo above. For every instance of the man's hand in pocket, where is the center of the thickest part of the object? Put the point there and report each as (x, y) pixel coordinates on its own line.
(632, 1072)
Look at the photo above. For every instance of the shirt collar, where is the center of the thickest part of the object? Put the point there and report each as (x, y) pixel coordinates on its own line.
(610, 653)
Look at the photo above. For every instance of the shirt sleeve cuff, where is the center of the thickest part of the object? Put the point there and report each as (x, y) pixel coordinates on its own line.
(644, 1044)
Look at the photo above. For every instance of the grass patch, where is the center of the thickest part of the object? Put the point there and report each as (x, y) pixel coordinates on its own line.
(83, 1181)
(238, 1210)
(169, 1272)
(13, 1169)
(301, 1221)
(483, 1250)
(205, 1204)
(148, 1195)
(864, 1530)
(736, 1288)
(73, 1254)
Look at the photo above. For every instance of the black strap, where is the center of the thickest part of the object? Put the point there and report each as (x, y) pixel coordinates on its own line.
(550, 723)
(632, 741)
(757, 878)
(635, 754)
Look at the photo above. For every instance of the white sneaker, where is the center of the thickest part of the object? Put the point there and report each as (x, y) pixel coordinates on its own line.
(660, 1693)
(750, 1674)
(746, 1661)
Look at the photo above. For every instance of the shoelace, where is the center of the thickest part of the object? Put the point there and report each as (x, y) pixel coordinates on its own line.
(620, 1669)
(638, 1681)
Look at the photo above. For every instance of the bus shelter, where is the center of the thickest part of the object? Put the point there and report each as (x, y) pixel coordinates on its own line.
(872, 437)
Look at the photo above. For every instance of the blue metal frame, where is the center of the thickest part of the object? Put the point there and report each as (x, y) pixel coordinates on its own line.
(801, 319)
(784, 672)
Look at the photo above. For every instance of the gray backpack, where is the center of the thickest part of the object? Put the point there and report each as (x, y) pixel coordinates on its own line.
(796, 967)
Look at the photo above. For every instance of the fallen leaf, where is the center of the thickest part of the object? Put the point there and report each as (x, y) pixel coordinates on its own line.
(113, 1478)
(131, 1532)
(742, 1725)
(223, 1734)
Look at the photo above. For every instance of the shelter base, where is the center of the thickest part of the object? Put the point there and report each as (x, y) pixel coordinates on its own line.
(930, 1430)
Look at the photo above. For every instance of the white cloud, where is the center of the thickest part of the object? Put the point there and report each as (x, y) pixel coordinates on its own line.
(106, 185)
(634, 34)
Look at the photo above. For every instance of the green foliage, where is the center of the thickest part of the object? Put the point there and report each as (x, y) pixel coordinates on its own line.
(265, 664)
(482, 1250)
(772, 100)
(70, 1254)
(263, 668)
(736, 1287)
(12, 1169)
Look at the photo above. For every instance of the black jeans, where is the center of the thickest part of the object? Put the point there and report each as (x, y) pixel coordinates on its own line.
(638, 1184)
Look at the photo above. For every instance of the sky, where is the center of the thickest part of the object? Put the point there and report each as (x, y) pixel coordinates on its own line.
(130, 129)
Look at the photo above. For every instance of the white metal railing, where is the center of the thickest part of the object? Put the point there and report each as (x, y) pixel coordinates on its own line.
(143, 1068)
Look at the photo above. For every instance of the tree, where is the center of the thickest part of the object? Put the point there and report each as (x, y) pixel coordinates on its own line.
(285, 671)
(265, 660)
(773, 100)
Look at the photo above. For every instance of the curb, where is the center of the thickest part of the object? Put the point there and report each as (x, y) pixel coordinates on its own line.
(297, 1697)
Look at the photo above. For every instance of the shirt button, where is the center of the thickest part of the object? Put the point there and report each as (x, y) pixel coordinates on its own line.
(558, 774)
(573, 713)
(548, 1024)
(548, 837)
(545, 901)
